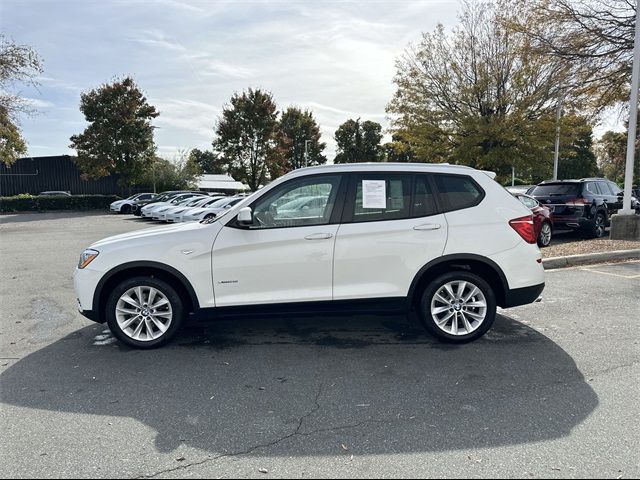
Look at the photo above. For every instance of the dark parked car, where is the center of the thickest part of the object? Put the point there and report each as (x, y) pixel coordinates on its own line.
(162, 197)
(542, 222)
(586, 204)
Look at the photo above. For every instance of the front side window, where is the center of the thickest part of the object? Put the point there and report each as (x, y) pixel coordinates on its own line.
(615, 189)
(458, 192)
(303, 202)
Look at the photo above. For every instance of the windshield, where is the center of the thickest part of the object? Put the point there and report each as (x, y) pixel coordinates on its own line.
(556, 189)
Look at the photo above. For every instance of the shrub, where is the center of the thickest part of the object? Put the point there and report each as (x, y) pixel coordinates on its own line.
(23, 203)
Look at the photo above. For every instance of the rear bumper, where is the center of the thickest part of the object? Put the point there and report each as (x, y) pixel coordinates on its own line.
(91, 315)
(522, 296)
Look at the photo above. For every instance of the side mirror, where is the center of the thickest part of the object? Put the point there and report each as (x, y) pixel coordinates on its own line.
(245, 216)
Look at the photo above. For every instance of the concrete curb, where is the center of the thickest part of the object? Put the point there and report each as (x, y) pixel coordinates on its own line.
(589, 258)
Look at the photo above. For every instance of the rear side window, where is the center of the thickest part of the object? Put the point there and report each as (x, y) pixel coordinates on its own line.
(592, 187)
(424, 203)
(379, 198)
(458, 192)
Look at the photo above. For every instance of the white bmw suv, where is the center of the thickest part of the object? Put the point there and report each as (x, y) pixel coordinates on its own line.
(445, 241)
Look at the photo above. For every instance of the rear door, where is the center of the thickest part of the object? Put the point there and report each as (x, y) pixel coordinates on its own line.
(391, 227)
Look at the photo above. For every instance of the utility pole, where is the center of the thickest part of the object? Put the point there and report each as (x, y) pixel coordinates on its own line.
(513, 176)
(556, 153)
(306, 152)
(625, 225)
(633, 122)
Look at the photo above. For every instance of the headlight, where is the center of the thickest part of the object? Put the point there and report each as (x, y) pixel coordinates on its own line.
(87, 257)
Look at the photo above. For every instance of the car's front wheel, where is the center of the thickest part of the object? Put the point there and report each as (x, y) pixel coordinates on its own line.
(125, 209)
(144, 312)
(458, 307)
(544, 238)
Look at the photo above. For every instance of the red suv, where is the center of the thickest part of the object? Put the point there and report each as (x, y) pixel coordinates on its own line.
(542, 222)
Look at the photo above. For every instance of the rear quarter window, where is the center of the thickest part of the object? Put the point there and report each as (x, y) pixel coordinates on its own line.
(457, 192)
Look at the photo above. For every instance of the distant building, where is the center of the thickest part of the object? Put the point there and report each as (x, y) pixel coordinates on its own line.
(38, 174)
(220, 184)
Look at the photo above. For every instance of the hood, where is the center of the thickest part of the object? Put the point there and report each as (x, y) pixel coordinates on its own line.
(149, 233)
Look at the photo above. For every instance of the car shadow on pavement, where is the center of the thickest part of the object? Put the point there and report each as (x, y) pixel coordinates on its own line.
(316, 386)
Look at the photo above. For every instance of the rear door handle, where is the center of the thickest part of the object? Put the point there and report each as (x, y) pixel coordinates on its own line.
(428, 226)
(319, 236)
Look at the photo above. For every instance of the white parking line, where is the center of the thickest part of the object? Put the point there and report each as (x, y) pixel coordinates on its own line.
(609, 273)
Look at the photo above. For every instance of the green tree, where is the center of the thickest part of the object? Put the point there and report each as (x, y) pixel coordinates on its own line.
(165, 175)
(247, 136)
(297, 127)
(12, 145)
(19, 64)
(398, 150)
(206, 161)
(119, 137)
(611, 151)
(577, 159)
(358, 142)
(477, 96)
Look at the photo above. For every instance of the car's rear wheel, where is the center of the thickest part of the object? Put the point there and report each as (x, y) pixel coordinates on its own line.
(544, 238)
(458, 307)
(144, 312)
(597, 227)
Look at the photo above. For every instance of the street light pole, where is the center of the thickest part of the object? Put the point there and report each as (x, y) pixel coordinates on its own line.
(556, 153)
(633, 121)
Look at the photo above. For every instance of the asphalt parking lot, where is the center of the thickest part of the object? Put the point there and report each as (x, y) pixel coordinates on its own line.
(551, 392)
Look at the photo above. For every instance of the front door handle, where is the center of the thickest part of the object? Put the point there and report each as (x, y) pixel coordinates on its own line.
(428, 226)
(319, 236)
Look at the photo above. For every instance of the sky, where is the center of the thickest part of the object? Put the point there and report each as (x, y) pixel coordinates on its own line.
(189, 57)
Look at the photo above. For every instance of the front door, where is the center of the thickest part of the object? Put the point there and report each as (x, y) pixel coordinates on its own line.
(286, 255)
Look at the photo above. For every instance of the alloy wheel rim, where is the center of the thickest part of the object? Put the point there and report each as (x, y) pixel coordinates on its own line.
(546, 234)
(599, 225)
(144, 313)
(459, 308)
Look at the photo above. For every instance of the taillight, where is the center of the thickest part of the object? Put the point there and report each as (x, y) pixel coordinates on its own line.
(581, 201)
(524, 227)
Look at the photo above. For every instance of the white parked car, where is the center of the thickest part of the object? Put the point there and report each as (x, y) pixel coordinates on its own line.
(175, 214)
(446, 241)
(148, 210)
(161, 213)
(124, 206)
(210, 211)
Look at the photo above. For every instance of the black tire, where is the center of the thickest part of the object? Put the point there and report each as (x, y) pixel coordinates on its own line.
(430, 291)
(209, 216)
(125, 209)
(544, 240)
(176, 305)
(596, 228)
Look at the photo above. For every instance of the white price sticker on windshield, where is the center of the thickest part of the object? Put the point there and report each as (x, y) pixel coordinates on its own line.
(374, 194)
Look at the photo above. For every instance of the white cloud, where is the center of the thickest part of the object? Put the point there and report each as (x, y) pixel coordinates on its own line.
(335, 58)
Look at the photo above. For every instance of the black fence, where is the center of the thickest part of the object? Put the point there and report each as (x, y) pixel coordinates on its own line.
(38, 174)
